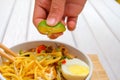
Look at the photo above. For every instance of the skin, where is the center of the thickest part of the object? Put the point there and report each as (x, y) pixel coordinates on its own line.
(55, 11)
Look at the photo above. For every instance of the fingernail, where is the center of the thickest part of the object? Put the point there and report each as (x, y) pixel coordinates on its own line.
(71, 25)
(51, 21)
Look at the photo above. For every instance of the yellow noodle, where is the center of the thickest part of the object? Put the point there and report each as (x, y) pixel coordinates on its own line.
(38, 64)
(52, 61)
(11, 75)
(30, 68)
(35, 72)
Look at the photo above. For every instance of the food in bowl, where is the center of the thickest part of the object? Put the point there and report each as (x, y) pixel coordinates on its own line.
(45, 62)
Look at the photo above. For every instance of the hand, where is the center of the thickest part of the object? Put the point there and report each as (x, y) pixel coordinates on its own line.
(57, 10)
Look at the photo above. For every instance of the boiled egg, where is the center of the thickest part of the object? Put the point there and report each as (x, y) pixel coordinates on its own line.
(74, 69)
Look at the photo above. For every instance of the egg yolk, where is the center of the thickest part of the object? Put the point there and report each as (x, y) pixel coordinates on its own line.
(78, 69)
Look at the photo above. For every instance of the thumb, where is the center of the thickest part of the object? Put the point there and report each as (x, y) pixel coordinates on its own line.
(56, 12)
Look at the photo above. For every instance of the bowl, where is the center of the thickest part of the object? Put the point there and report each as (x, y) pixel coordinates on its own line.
(72, 50)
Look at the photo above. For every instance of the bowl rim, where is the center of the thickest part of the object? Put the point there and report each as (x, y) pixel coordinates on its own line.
(89, 60)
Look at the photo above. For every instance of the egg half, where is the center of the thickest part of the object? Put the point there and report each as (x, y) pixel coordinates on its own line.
(75, 69)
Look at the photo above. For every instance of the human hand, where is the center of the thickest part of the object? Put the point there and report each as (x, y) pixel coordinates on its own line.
(55, 11)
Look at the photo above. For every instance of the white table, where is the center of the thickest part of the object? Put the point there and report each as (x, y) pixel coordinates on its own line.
(97, 32)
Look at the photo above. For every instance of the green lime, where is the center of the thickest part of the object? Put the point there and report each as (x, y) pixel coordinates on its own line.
(46, 29)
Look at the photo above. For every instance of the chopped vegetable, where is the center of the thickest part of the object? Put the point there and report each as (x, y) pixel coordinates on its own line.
(40, 48)
(21, 52)
(63, 61)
